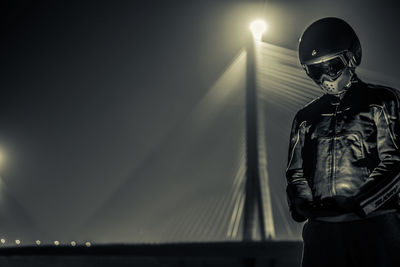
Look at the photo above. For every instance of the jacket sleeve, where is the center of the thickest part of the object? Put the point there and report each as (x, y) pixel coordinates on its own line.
(384, 181)
(297, 184)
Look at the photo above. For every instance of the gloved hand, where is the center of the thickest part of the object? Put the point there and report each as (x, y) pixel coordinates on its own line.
(303, 207)
(336, 205)
(348, 204)
(299, 200)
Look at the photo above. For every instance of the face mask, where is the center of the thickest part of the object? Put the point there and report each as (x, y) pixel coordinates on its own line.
(335, 86)
(333, 74)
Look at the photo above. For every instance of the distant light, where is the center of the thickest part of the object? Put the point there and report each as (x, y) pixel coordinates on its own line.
(56, 243)
(73, 243)
(88, 244)
(17, 241)
(258, 28)
(3, 241)
(37, 242)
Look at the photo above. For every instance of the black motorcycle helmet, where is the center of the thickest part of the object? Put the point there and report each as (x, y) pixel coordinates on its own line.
(328, 37)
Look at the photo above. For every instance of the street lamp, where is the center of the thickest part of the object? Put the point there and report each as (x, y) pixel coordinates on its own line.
(258, 27)
(253, 205)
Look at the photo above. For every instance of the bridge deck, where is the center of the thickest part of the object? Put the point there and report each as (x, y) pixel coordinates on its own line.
(273, 253)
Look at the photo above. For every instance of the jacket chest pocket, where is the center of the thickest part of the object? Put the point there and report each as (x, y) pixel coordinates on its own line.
(349, 146)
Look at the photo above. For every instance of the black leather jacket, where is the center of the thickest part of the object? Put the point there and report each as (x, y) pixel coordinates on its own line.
(347, 147)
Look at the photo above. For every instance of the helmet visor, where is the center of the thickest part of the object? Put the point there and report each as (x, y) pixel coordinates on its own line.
(332, 67)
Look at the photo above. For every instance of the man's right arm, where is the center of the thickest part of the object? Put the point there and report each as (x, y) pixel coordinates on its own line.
(299, 193)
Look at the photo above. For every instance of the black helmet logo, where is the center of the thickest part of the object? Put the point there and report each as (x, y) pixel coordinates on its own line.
(313, 53)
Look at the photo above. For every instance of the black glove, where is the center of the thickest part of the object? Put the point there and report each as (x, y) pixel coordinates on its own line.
(299, 201)
(303, 207)
(336, 205)
(348, 204)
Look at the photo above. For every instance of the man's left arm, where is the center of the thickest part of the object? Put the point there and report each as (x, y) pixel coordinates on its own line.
(384, 181)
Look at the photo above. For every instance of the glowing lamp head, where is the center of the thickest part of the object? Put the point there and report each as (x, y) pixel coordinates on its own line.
(258, 28)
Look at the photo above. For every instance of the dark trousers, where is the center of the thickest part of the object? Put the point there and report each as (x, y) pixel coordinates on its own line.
(371, 242)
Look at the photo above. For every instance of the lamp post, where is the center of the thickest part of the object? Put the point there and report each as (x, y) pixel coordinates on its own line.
(253, 205)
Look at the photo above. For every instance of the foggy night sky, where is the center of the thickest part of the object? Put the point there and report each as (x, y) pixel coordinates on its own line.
(96, 98)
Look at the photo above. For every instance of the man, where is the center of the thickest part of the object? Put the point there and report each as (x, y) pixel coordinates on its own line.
(344, 157)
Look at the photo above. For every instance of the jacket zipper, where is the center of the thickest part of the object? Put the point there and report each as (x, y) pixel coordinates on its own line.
(333, 190)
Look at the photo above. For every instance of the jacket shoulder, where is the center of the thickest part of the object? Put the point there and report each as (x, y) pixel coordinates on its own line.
(310, 108)
(381, 94)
